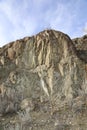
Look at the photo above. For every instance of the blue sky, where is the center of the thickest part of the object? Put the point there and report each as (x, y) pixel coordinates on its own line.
(20, 18)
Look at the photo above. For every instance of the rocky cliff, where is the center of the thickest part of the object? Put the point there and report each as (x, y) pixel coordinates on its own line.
(43, 83)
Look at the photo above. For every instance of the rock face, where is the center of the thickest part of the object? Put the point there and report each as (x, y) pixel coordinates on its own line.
(43, 83)
(81, 47)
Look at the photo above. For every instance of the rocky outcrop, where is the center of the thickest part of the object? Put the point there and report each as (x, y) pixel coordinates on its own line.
(43, 83)
(81, 47)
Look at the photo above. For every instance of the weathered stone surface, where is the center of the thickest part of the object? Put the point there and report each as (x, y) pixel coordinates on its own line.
(81, 47)
(43, 83)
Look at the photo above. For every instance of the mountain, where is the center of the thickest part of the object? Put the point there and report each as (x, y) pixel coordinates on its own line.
(43, 83)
